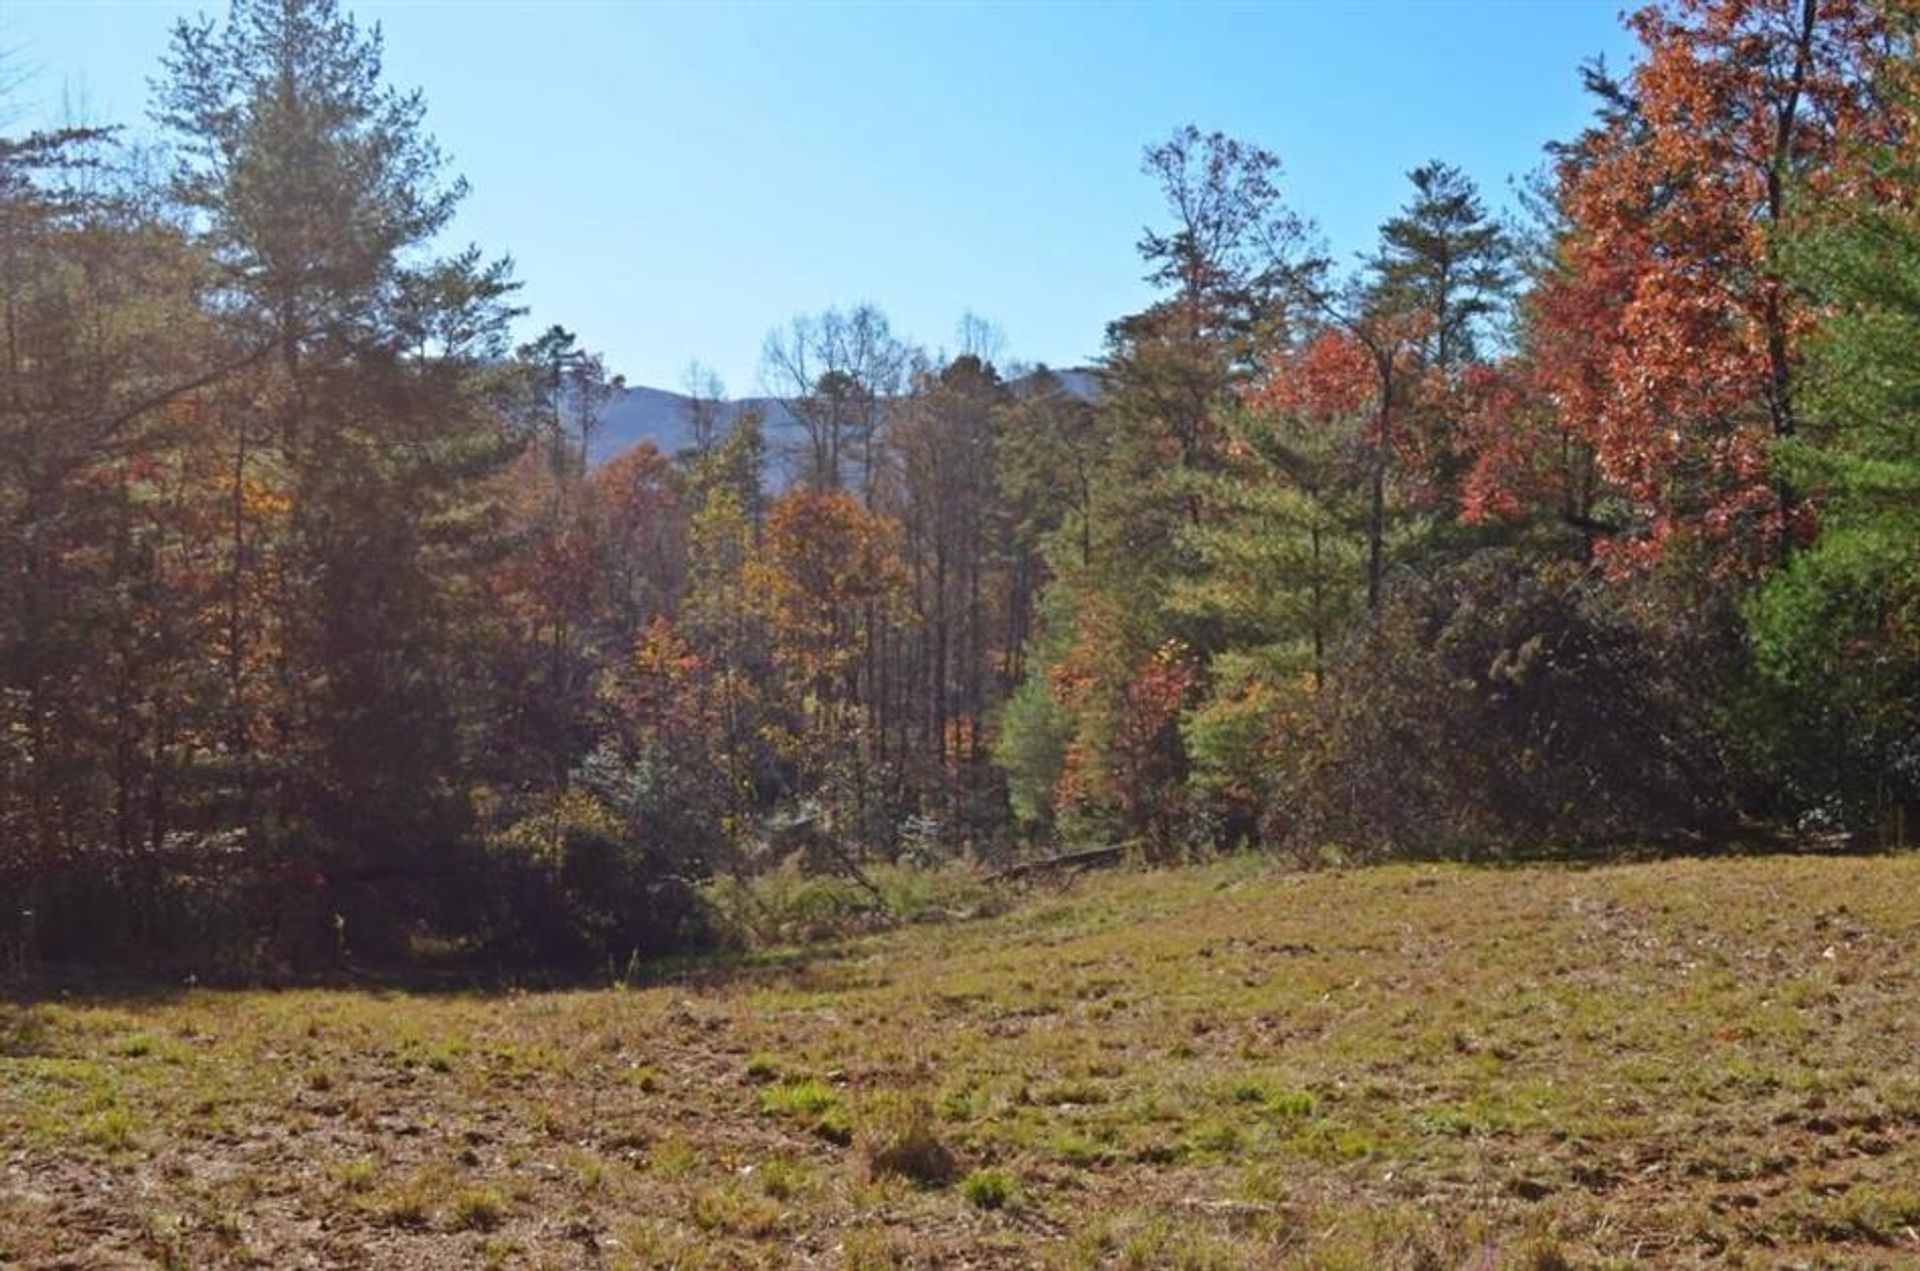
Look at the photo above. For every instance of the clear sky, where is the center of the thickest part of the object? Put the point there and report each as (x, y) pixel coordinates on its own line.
(675, 179)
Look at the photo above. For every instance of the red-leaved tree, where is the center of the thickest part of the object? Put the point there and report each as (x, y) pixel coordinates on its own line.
(1671, 335)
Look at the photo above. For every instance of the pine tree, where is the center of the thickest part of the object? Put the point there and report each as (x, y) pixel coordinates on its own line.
(1444, 257)
(1837, 632)
(1446, 268)
(316, 192)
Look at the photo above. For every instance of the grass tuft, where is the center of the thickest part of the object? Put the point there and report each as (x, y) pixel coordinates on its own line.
(989, 1188)
(478, 1209)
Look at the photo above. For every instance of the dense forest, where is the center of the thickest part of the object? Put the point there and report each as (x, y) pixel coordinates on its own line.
(323, 643)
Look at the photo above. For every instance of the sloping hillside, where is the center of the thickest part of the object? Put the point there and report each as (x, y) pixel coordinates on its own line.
(1670, 1064)
(666, 419)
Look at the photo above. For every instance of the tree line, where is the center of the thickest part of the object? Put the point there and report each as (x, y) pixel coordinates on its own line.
(323, 642)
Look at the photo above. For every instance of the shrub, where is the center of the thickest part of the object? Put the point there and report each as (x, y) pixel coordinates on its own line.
(574, 888)
(1494, 706)
(1833, 706)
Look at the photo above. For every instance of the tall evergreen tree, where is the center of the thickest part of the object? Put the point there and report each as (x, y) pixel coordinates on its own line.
(1446, 269)
(1837, 632)
(1445, 258)
(315, 190)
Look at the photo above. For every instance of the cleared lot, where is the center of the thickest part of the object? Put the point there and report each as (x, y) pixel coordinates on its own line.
(1676, 1062)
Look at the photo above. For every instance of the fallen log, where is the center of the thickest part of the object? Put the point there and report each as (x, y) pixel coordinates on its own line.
(1085, 858)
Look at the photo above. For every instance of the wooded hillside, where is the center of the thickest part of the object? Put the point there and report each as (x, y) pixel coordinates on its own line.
(323, 645)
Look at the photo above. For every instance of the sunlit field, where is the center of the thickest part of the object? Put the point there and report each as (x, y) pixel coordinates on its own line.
(1692, 1061)
(950, 635)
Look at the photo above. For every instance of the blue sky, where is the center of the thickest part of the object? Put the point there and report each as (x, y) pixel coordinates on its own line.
(675, 179)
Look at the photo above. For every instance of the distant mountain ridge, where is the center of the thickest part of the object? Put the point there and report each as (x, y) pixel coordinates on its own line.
(665, 418)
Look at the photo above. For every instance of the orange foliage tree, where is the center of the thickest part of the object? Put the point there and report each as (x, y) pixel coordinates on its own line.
(1673, 337)
(830, 578)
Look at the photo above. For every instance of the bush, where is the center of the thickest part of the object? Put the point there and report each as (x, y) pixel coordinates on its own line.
(1493, 706)
(574, 890)
(1833, 706)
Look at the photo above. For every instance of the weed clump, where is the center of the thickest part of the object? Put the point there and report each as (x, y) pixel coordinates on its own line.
(478, 1209)
(110, 1128)
(812, 1103)
(406, 1208)
(916, 1154)
(357, 1176)
(905, 1145)
(782, 1179)
(988, 1188)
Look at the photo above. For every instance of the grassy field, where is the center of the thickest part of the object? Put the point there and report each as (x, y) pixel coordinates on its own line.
(1693, 1061)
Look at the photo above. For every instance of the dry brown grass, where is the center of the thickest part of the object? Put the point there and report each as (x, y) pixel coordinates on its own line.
(1674, 1063)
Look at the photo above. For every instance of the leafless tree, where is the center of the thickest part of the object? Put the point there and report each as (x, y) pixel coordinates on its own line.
(838, 374)
(706, 404)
